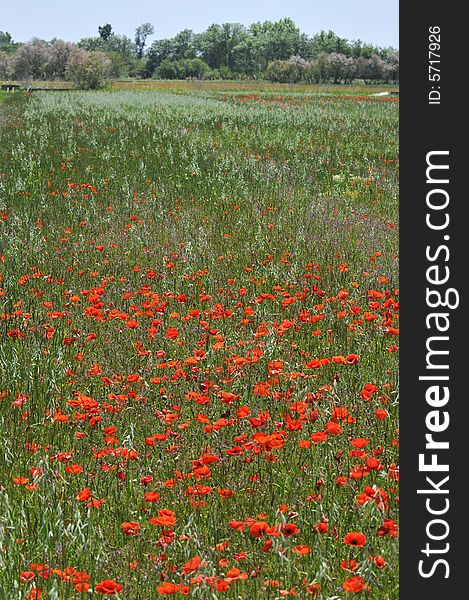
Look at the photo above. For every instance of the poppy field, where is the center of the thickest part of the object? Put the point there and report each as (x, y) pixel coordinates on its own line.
(199, 345)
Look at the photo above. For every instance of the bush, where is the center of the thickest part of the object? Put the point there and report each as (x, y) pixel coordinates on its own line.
(89, 70)
(183, 69)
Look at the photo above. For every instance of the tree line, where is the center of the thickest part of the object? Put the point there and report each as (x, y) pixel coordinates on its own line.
(276, 51)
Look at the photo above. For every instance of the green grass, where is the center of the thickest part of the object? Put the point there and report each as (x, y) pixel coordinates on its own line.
(264, 229)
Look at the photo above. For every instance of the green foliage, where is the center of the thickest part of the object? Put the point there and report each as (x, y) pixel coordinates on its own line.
(184, 68)
(141, 33)
(264, 49)
(105, 32)
(89, 70)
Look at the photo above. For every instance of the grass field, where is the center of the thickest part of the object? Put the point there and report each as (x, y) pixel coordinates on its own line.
(199, 356)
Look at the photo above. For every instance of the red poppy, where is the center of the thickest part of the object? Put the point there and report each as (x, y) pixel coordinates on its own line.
(165, 518)
(301, 550)
(355, 584)
(258, 529)
(355, 538)
(130, 527)
(84, 495)
(168, 588)
(108, 587)
(349, 565)
(152, 496)
(319, 436)
(74, 469)
(191, 565)
(26, 576)
(290, 529)
(172, 333)
(359, 442)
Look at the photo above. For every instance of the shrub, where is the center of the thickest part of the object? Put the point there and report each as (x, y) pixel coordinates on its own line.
(89, 70)
(183, 68)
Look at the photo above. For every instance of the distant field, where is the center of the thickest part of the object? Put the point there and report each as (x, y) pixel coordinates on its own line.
(193, 86)
(199, 342)
(250, 86)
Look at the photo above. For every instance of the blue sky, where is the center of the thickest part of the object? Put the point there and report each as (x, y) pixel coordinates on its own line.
(372, 21)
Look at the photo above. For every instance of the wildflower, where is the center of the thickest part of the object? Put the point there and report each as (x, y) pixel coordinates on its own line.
(355, 538)
(354, 584)
(130, 528)
(108, 587)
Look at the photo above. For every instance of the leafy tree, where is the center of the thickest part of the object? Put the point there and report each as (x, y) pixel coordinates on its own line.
(89, 70)
(328, 41)
(5, 39)
(275, 41)
(58, 55)
(177, 48)
(393, 63)
(91, 44)
(30, 60)
(141, 33)
(246, 57)
(159, 51)
(6, 66)
(183, 68)
(105, 32)
(217, 44)
(182, 45)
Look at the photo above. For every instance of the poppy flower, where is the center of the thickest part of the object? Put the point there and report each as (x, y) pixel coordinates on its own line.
(20, 480)
(379, 561)
(74, 469)
(130, 527)
(172, 333)
(26, 576)
(84, 494)
(349, 565)
(108, 587)
(290, 529)
(165, 518)
(151, 496)
(167, 588)
(354, 584)
(319, 436)
(234, 574)
(355, 538)
(258, 529)
(301, 550)
(191, 565)
(359, 442)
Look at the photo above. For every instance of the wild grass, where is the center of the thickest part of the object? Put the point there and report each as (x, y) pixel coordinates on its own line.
(196, 290)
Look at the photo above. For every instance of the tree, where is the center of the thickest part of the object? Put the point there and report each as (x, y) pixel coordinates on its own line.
(6, 66)
(275, 41)
(91, 43)
(58, 55)
(5, 39)
(183, 68)
(89, 70)
(216, 45)
(177, 48)
(29, 61)
(393, 62)
(182, 45)
(141, 34)
(328, 41)
(105, 31)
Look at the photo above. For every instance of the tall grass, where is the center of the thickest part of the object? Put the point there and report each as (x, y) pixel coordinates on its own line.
(200, 299)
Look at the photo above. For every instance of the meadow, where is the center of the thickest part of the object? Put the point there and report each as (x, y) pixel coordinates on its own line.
(199, 344)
